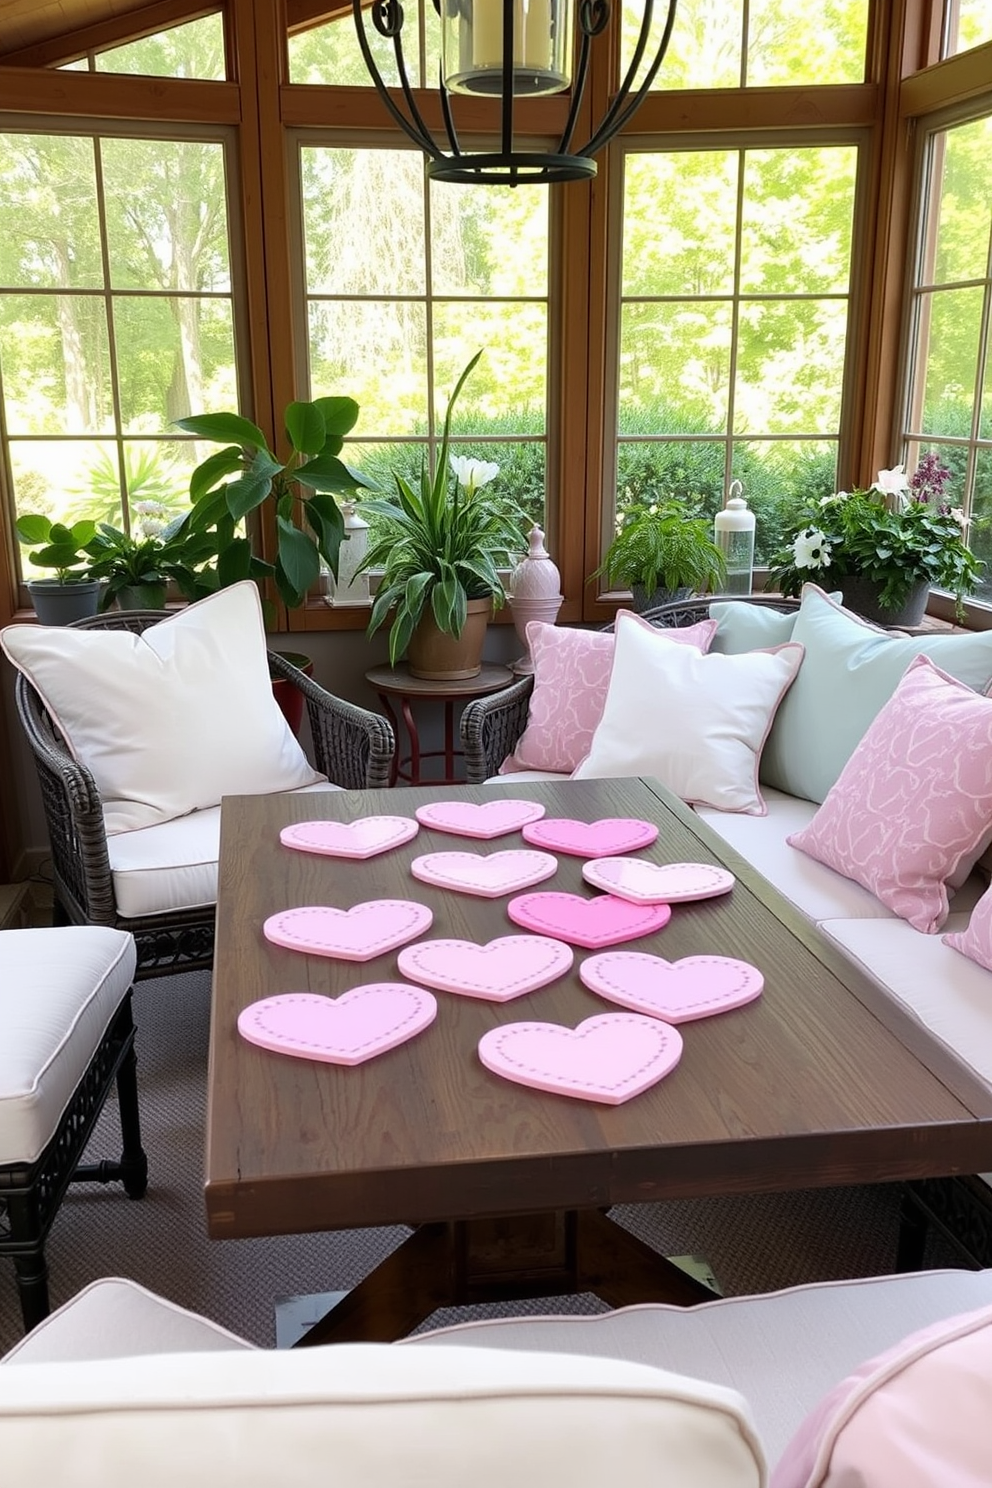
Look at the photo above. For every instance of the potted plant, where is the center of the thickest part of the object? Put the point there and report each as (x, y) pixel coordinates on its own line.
(440, 547)
(661, 553)
(73, 593)
(882, 548)
(308, 521)
(137, 567)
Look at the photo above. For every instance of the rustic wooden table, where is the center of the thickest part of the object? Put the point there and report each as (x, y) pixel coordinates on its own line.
(819, 1082)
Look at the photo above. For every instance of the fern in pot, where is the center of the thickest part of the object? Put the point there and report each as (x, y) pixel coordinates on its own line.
(660, 553)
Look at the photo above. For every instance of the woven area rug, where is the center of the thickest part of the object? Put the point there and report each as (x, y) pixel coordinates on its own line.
(751, 1244)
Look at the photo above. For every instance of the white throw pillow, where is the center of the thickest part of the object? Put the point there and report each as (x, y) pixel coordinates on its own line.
(170, 720)
(697, 723)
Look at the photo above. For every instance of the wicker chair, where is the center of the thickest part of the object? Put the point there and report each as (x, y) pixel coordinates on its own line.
(351, 746)
(491, 726)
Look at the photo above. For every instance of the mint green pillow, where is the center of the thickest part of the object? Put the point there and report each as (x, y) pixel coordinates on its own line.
(749, 627)
(849, 672)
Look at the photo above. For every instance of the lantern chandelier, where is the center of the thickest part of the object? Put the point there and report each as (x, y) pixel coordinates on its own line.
(511, 49)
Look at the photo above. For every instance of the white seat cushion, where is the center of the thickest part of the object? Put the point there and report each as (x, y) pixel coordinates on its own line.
(372, 1416)
(113, 1319)
(173, 865)
(949, 994)
(782, 1350)
(59, 990)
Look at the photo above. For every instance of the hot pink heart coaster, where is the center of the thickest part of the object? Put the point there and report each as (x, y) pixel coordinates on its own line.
(468, 819)
(355, 934)
(656, 883)
(363, 1022)
(608, 1058)
(363, 838)
(678, 991)
(598, 839)
(591, 923)
(487, 875)
(499, 971)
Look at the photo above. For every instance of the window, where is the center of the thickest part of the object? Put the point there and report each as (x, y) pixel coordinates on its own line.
(116, 317)
(734, 296)
(405, 281)
(195, 50)
(949, 379)
(967, 23)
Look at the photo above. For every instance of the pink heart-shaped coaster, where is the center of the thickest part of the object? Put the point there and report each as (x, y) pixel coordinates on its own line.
(349, 1029)
(363, 838)
(656, 883)
(608, 1058)
(499, 971)
(468, 819)
(355, 934)
(591, 923)
(487, 875)
(598, 839)
(677, 991)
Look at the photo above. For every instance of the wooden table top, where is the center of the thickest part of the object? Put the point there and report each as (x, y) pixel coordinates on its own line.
(821, 1081)
(400, 680)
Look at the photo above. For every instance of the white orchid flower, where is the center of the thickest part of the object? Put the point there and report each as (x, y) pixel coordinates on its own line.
(891, 482)
(471, 474)
(957, 512)
(811, 549)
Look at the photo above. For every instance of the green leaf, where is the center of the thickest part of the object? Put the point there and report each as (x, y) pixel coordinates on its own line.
(305, 428)
(33, 529)
(297, 563)
(234, 562)
(324, 516)
(327, 473)
(214, 468)
(224, 428)
(340, 415)
(251, 490)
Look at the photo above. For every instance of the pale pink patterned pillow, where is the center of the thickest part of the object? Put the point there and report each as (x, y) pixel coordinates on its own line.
(912, 1417)
(976, 941)
(914, 799)
(571, 675)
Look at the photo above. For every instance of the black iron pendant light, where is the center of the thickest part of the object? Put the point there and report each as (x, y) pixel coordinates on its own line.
(511, 49)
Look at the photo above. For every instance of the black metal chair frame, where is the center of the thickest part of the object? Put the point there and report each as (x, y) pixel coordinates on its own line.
(491, 726)
(30, 1193)
(352, 746)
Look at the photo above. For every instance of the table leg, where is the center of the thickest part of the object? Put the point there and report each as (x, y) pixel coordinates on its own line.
(387, 708)
(411, 728)
(537, 1255)
(449, 743)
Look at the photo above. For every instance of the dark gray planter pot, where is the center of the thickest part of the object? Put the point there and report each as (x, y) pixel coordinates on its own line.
(642, 600)
(56, 603)
(861, 596)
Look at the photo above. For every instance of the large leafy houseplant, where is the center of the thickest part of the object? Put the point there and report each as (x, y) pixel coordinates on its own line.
(137, 567)
(662, 547)
(308, 521)
(900, 532)
(441, 543)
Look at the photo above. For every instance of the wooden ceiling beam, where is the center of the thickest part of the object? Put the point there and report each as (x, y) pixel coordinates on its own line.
(108, 95)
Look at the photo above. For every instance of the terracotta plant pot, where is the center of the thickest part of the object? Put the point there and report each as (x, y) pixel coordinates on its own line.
(290, 698)
(437, 656)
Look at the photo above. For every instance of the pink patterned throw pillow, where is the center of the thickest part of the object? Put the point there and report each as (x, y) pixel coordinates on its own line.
(976, 941)
(571, 676)
(915, 798)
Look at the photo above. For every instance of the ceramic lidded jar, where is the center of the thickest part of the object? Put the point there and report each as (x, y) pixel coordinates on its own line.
(534, 593)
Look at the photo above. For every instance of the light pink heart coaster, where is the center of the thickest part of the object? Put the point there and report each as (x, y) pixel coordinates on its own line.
(678, 991)
(349, 1029)
(656, 883)
(469, 819)
(598, 839)
(363, 838)
(608, 1058)
(499, 971)
(592, 923)
(355, 934)
(487, 875)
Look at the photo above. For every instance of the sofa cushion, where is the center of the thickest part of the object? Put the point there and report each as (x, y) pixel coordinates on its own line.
(696, 722)
(749, 1343)
(170, 720)
(911, 1417)
(899, 820)
(948, 994)
(372, 1416)
(813, 735)
(59, 989)
(173, 865)
(571, 675)
(749, 627)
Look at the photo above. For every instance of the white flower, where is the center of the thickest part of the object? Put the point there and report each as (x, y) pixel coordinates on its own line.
(151, 518)
(891, 482)
(957, 512)
(833, 500)
(811, 549)
(471, 474)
